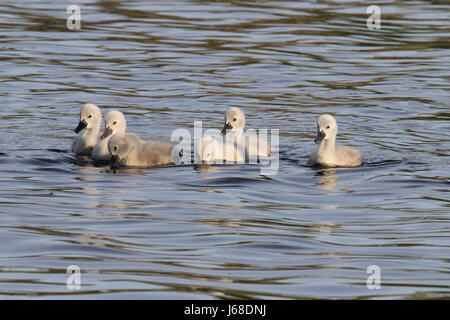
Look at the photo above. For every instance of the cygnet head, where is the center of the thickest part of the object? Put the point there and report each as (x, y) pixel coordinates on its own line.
(234, 120)
(207, 150)
(121, 144)
(90, 117)
(114, 123)
(326, 128)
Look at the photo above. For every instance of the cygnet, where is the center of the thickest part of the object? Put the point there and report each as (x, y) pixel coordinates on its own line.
(329, 154)
(90, 121)
(128, 150)
(114, 123)
(234, 128)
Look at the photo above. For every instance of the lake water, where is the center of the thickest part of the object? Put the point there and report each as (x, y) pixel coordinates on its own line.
(181, 232)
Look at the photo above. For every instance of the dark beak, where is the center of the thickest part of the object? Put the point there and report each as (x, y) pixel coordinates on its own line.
(81, 126)
(320, 136)
(115, 162)
(106, 133)
(226, 127)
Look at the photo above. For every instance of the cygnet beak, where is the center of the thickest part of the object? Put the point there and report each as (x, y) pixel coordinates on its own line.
(81, 125)
(320, 136)
(115, 162)
(106, 133)
(226, 127)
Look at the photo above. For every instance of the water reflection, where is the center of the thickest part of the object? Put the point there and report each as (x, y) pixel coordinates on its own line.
(205, 168)
(327, 178)
(138, 171)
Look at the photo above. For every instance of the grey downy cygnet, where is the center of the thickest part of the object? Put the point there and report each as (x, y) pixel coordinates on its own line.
(328, 153)
(233, 130)
(90, 122)
(114, 123)
(128, 150)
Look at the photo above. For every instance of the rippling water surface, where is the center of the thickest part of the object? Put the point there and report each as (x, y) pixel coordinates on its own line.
(228, 232)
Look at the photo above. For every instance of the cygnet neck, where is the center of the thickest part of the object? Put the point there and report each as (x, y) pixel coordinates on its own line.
(92, 131)
(237, 132)
(328, 144)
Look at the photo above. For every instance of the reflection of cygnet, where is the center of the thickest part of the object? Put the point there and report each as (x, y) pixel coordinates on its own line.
(327, 179)
(234, 128)
(210, 150)
(90, 121)
(328, 153)
(114, 123)
(127, 150)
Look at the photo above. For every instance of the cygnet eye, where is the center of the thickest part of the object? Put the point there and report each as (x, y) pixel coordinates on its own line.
(115, 148)
(90, 116)
(234, 119)
(328, 127)
(115, 122)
